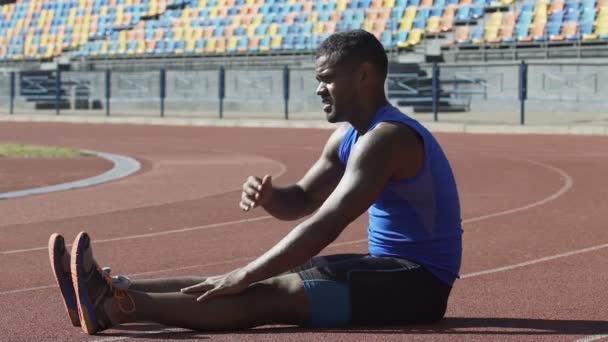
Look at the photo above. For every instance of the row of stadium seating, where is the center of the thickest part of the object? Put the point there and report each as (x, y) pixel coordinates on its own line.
(559, 20)
(48, 28)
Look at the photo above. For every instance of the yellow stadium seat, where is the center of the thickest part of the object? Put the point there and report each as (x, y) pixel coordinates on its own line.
(178, 33)
(250, 31)
(319, 28)
(410, 13)
(415, 37)
(188, 33)
(201, 4)
(432, 25)
(190, 45)
(273, 29)
(406, 24)
(277, 42)
(210, 46)
(141, 47)
(490, 34)
(198, 33)
(232, 43)
(496, 19)
(236, 20)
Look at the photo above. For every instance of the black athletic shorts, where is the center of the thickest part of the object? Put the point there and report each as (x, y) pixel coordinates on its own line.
(360, 289)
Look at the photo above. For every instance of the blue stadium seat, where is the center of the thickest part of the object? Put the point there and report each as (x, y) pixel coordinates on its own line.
(386, 39)
(477, 34)
(132, 46)
(463, 13)
(169, 47)
(240, 31)
(554, 28)
(478, 9)
(586, 28)
(397, 13)
(438, 7)
(265, 43)
(219, 31)
(288, 42)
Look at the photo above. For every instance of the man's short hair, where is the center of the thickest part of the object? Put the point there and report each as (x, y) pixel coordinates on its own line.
(354, 47)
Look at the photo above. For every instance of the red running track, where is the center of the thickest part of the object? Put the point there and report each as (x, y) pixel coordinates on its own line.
(26, 173)
(535, 262)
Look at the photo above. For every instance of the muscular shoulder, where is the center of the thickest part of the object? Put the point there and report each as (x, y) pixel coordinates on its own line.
(331, 150)
(395, 145)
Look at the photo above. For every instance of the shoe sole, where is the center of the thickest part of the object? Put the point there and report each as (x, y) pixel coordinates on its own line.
(86, 310)
(56, 253)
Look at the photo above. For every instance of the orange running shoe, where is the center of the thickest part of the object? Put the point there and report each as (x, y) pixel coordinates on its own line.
(93, 287)
(60, 264)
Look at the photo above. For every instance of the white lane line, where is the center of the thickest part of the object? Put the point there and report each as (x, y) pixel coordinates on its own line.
(27, 289)
(592, 338)
(568, 183)
(148, 235)
(534, 261)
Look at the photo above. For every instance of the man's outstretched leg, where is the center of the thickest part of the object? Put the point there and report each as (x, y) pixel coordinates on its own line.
(276, 300)
(279, 300)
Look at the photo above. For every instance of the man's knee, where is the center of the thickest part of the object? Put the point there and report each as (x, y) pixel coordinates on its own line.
(284, 297)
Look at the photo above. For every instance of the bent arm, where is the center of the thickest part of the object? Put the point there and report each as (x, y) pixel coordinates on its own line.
(303, 198)
(376, 160)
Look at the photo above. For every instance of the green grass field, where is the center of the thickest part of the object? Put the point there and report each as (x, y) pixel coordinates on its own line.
(10, 150)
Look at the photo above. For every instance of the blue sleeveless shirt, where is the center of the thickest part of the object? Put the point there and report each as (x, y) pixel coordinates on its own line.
(416, 218)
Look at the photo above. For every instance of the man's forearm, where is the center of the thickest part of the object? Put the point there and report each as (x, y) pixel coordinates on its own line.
(289, 203)
(301, 244)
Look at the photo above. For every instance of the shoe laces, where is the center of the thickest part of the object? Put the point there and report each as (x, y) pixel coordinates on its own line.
(118, 294)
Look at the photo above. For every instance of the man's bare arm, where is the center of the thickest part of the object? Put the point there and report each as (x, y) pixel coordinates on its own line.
(303, 198)
(387, 153)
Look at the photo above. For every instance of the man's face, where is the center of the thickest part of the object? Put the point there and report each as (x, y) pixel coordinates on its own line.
(336, 89)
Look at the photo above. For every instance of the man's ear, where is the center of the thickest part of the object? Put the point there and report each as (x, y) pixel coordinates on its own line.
(366, 73)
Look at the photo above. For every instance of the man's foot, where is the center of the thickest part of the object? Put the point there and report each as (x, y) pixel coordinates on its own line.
(94, 289)
(60, 264)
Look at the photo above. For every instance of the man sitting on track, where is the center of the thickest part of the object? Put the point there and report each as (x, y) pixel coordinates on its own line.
(377, 159)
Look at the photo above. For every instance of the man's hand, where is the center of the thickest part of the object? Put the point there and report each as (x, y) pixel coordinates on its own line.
(256, 192)
(227, 284)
